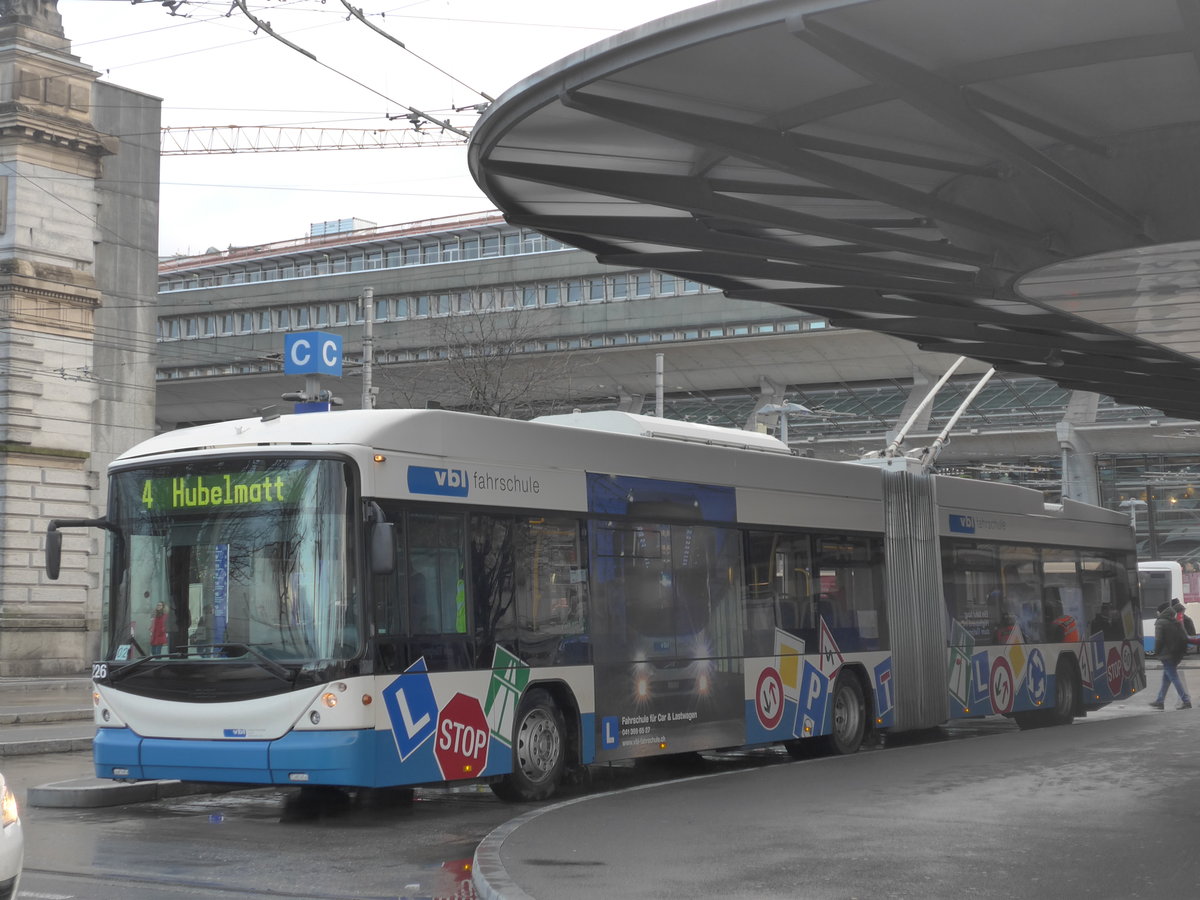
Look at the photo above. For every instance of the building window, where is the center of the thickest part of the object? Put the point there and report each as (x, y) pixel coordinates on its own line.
(714, 332)
(227, 323)
(529, 296)
(375, 259)
(342, 314)
(575, 291)
(422, 306)
(381, 310)
(340, 264)
(283, 318)
(666, 285)
(642, 284)
(620, 286)
(412, 255)
(358, 262)
(470, 248)
(429, 253)
(320, 314)
(512, 243)
(491, 246)
(464, 302)
(443, 305)
(552, 294)
(401, 307)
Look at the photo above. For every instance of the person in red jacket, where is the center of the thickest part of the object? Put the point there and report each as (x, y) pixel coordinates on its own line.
(158, 630)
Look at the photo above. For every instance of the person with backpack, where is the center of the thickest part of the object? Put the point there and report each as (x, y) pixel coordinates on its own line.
(1170, 644)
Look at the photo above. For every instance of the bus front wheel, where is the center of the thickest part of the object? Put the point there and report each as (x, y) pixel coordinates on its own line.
(847, 715)
(539, 751)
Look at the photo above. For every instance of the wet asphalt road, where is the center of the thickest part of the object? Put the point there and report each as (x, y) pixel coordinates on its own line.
(1042, 813)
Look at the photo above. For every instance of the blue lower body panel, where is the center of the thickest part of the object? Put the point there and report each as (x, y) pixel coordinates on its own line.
(305, 757)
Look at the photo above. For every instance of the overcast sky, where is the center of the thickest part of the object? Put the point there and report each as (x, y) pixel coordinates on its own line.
(210, 68)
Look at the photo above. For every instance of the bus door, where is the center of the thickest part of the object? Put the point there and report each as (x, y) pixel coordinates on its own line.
(420, 610)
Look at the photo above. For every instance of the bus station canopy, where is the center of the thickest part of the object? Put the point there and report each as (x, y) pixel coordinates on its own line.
(1008, 180)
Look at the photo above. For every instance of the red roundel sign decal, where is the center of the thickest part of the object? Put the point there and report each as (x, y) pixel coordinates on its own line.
(768, 698)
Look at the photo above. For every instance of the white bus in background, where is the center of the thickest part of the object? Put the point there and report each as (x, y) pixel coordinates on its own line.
(1161, 581)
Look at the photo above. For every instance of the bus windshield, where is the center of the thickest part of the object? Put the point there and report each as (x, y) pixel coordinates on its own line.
(214, 557)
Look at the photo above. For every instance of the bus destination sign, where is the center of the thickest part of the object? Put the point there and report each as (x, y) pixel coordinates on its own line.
(200, 491)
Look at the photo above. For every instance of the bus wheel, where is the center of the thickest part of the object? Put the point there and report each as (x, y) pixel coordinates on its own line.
(539, 751)
(1066, 695)
(848, 716)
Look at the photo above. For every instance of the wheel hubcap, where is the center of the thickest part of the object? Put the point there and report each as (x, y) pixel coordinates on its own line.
(845, 716)
(538, 745)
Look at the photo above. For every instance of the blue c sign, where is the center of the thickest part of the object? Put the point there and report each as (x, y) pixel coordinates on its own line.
(308, 352)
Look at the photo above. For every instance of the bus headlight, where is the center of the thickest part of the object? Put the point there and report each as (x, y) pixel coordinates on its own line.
(329, 698)
(641, 687)
(10, 806)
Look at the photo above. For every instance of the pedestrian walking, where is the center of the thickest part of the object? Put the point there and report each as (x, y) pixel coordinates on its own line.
(1170, 644)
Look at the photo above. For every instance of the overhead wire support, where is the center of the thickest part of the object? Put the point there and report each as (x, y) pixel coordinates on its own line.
(226, 139)
(415, 115)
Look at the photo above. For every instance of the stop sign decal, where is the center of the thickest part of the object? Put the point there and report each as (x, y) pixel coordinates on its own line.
(461, 747)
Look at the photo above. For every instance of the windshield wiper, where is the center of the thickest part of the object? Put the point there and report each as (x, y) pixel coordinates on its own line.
(115, 675)
(262, 659)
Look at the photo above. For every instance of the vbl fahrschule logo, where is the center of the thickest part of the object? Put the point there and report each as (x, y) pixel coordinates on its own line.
(442, 482)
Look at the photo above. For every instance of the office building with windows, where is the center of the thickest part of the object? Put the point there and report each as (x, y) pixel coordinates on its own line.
(476, 314)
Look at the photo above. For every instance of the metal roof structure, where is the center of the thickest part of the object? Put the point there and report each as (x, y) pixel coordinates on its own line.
(1008, 180)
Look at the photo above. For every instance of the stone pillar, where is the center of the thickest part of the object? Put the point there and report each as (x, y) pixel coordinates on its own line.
(51, 237)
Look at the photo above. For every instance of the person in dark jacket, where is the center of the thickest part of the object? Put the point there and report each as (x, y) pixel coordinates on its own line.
(1170, 644)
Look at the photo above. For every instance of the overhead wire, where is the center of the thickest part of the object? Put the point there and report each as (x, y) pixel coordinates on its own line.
(358, 14)
(415, 115)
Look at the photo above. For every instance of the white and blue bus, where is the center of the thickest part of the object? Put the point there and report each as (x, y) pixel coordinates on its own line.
(387, 598)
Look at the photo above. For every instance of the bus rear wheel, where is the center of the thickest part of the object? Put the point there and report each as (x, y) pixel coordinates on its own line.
(1066, 695)
(847, 716)
(539, 750)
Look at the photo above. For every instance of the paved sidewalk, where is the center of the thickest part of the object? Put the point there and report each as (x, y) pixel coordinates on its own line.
(45, 715)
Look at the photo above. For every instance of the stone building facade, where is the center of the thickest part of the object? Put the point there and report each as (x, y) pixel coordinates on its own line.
(78, 258)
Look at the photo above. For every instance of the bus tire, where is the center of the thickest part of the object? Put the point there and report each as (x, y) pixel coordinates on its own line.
(847, 716)
(1066, 694)
(539, 751)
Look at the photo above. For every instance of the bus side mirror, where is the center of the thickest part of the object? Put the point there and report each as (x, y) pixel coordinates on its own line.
(54, 540)
(383, 548)
(53, 552)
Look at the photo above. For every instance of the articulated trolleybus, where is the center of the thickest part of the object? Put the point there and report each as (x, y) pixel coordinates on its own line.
(369, 599)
